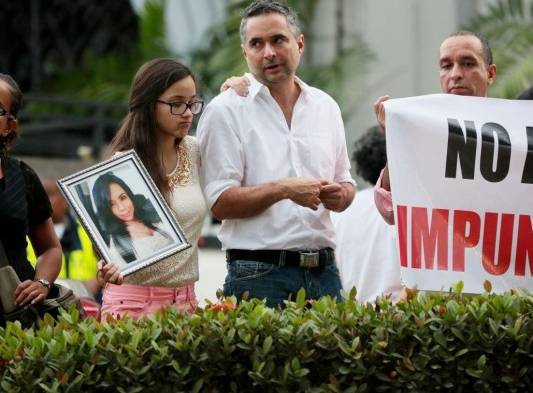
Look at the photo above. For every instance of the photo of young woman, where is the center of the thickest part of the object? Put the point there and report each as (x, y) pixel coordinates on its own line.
(130, 225)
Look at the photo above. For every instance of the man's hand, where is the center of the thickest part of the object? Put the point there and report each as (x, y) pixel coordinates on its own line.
(249, 201)
(108, 273)
(238, 83)
(379, 110)
(30, 291)
(334, 196)
(304, 192)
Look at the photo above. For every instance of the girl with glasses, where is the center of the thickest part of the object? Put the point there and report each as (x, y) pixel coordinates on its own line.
(163, 100)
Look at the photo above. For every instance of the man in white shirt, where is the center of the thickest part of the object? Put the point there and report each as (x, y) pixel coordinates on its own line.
(274, 163)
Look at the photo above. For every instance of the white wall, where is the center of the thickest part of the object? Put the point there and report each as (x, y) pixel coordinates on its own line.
(187, 20)
(404, 35)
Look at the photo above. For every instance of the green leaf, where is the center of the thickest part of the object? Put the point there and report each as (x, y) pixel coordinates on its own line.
(198, 385)
(458, 287)
(267, 344)
(300, 298)
(482, 360)
(517, 326)
(474, 373)
(353, 293)
(137, 334)
(494, 326)
(295, 364)
(440, 339)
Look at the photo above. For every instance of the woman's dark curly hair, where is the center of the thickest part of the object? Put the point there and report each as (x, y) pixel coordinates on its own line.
(16, 104)
(370, 154)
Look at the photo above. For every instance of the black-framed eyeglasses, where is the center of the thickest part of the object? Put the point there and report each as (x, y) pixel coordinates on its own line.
(179, 108)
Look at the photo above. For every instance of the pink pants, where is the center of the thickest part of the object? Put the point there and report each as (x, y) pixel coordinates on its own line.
(137, 301)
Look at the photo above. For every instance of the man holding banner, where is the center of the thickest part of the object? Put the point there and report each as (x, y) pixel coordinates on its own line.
(461, 167)
(466, 68)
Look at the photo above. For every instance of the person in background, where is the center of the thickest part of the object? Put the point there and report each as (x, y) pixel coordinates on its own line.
(79, 260)
(25, 210)
(466, 68)
(163, 101)
(366, 250)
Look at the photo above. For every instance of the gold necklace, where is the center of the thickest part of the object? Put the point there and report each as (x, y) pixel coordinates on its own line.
(181, 174)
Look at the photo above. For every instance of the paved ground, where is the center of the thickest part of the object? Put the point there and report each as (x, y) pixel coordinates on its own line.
(212, 273)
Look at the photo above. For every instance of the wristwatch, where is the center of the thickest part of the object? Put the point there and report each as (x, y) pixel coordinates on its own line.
(45, 283)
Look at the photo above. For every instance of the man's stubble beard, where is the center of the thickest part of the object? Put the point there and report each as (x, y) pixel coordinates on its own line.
(284, 76)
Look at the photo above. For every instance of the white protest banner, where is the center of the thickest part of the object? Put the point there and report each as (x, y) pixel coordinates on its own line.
(461, 172)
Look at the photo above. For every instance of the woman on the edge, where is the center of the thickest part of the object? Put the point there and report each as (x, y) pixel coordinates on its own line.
(130, 224)
(24, 210)
(162, 104)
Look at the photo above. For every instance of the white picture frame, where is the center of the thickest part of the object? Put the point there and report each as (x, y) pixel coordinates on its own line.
(124, 213)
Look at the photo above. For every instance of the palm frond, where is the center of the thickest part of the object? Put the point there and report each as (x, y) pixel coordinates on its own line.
(152, 35)
(108, 78)
(508, 25)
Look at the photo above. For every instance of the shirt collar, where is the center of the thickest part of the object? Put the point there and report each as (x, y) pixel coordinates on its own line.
(256, 87)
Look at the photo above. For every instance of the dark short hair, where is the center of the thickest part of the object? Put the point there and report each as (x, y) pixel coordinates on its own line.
(370, 154)
(265, 7)
(526, 95)
(487, 51)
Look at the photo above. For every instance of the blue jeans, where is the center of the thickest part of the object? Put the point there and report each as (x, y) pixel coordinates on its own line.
(275, 283)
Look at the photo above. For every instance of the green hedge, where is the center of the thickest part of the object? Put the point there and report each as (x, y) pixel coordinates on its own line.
(431, 343)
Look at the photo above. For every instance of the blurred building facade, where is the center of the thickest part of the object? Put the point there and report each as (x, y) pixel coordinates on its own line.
(188, 20)
(403, 35)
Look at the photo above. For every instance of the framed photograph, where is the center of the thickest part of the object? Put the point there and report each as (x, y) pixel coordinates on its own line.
(124, 213)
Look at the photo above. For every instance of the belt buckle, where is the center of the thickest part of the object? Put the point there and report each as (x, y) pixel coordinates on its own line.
(309, 259)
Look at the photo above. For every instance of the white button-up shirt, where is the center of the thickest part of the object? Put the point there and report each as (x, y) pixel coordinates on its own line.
(245, 141)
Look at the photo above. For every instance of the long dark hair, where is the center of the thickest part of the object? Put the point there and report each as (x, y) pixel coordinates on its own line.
(137, 130)
(113, 227)
(16, 104)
